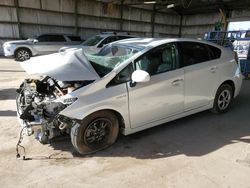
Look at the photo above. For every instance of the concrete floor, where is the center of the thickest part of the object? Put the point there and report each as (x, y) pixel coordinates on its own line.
(203, 150)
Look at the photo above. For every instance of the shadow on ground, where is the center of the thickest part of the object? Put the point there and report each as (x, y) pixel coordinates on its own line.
(8, 113)
(9, 93)
(195, 135)
(12, 71)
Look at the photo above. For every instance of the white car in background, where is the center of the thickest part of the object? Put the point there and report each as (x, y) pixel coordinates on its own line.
(94, 44)
(22, 50)
(127, 87)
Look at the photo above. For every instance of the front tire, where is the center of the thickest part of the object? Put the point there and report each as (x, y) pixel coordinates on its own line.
(223, 99)
(95, 132)
(22, 54)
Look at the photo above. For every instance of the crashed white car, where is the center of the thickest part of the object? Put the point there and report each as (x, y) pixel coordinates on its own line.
(129, 86)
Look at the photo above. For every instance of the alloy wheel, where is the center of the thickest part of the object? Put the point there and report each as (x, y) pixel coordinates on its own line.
(23, 55)
(224, 99)
(97, 132)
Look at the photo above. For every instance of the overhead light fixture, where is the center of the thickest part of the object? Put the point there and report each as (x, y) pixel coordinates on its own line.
(170, 6)
(149, 2)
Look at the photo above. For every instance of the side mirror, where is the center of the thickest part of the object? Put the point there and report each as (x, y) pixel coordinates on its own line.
(35, 41)
(140, 76)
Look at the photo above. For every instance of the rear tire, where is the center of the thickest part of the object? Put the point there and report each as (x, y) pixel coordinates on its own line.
(223, 99)
(95, 132)
(22, 54)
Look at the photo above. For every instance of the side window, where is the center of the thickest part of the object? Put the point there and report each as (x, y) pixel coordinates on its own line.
(123, 76)
(158, 60)
(51, 38)
(57, 38)
(215, 52)
(43, 38)
(113, 38)
(192, 53)
(75, 38)
(107, 41)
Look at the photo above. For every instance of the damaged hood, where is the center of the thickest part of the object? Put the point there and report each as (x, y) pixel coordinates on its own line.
(67, 66)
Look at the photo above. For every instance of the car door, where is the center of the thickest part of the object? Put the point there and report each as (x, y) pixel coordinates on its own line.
(49, 43)
(162, 96)
(201, 74)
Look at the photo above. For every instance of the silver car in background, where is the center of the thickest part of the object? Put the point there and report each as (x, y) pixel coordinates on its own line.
(94, 44)
(22, 50)
(127, 87)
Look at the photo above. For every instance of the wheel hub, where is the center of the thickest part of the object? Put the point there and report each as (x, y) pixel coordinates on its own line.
(97, 131)
(23, 55)
(224, 99)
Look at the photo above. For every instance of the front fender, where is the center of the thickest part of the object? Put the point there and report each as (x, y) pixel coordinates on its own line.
(25, 46)
(114, 98)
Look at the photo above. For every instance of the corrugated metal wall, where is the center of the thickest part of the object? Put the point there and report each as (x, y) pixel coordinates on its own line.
(26, 18)
(194, 26)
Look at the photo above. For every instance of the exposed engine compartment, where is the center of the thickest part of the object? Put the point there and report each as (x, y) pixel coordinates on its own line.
(39, 104)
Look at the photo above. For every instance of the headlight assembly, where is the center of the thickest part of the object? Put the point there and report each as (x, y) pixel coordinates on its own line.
(69, 100)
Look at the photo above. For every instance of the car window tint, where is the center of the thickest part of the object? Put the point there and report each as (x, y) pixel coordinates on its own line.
(57, 38)
(51, 38)
(123, 76)
(43, 38)
(192, 53)
(158, 60)
(75, 38)
(110, 39)
(215, 52)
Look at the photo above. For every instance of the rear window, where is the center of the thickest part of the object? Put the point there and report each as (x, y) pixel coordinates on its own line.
(192, 53)
(215, 52)
(75, 38)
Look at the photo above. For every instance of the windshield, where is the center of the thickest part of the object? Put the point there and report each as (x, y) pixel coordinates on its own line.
(92, 41)
(109, 58)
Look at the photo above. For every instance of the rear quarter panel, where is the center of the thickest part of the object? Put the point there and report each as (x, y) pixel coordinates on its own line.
(229, 70)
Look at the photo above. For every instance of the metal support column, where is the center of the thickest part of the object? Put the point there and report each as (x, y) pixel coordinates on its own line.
(153, 21)
(180, 26)
(76, 17)
(121, 15)
(16, 4)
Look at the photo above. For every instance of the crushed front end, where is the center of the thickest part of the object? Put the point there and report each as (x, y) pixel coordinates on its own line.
(39, 103)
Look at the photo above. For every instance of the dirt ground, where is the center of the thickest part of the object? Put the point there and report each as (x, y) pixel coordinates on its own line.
(203, 150)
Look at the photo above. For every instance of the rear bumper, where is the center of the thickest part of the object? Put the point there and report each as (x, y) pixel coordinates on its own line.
(238, 82)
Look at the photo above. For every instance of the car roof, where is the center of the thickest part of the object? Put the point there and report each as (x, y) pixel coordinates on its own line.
(142, 43)
(65, 34)
(108, 35)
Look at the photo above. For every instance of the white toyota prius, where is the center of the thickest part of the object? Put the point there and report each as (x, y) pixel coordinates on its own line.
(129, 86)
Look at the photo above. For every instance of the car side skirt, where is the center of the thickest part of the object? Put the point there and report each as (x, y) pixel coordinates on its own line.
(128, 131)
